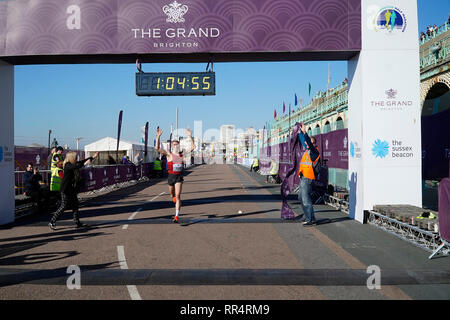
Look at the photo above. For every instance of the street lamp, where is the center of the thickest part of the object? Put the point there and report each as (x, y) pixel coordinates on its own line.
(49, 133)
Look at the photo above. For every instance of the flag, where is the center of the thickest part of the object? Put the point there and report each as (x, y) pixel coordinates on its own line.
(329, 73)
(284, 108)
(118, 134)
(275, 114)
(309, 89)
(295, 101)
(146, 139)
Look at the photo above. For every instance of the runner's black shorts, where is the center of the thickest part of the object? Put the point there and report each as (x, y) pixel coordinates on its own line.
(175, 178)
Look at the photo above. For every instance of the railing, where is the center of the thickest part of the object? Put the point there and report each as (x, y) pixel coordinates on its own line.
(432, 59)
(442, 29)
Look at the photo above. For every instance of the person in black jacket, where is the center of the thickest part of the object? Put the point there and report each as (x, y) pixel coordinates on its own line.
(70, 188)
(32, 188)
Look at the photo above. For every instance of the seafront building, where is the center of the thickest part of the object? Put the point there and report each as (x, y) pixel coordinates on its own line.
(328, 111)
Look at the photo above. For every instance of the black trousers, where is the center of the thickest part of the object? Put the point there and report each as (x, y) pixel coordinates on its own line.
(66, 200)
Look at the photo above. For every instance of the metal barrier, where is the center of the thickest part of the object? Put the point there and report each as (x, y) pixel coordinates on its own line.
(337, 203)
(427, 240)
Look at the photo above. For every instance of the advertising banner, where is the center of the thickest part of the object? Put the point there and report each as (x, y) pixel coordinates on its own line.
(86, 27)
(94, 178)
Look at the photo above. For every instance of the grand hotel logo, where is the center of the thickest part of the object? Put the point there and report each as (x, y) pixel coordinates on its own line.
(392, 102)
(175, 12)
(176, 36)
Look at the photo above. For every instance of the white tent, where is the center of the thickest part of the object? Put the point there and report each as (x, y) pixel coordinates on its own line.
(110, 144)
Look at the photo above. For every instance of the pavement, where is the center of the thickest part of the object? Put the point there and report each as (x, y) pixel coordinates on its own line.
(230, 244)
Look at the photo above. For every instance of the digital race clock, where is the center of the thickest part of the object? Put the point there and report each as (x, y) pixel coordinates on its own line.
(175, 84)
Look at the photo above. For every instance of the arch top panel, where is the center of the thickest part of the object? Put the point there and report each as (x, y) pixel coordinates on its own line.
(120, 30)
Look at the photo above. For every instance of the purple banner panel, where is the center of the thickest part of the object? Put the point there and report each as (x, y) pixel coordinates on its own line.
(334, 148)
(444, 209)
(87, 27)
(435, 146)
(95, 178)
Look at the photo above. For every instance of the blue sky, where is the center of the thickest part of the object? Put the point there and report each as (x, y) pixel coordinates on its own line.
(85, 100)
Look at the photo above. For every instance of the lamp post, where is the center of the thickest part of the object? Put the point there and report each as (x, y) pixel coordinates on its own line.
(49, 133)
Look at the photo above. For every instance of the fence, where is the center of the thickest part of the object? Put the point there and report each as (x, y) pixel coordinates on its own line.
(96, 177)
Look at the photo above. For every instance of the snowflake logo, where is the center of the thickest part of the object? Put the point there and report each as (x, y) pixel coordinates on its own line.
(352, 149)
(175, 12)
(345, 142)
(90, 175)
(380, 148)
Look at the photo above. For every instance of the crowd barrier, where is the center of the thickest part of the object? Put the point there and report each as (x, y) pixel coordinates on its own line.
(98, 177)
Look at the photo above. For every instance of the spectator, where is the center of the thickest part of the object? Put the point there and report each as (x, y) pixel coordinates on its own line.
(138, 160)
(70, 188)
(255, 165)
(32, 188)
(273, 172)
(55, 182)
(49, 163)
(111, 160)
(158, 168)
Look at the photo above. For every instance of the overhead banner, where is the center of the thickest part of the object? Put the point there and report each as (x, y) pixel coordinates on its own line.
(87, 27)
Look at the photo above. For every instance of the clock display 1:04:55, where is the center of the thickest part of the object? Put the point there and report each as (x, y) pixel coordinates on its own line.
(171, 83)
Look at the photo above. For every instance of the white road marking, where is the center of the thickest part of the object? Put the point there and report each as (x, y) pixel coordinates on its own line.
(132, 290)
(156, 196)
(131, 218)
(137, 211)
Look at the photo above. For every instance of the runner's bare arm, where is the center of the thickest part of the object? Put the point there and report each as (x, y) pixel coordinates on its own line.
(157, 148)
(189, 134)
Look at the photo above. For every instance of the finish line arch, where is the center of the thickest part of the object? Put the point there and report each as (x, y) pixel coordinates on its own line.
(377, 37)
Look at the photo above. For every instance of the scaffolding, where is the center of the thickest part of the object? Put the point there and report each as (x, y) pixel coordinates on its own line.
(427, 240)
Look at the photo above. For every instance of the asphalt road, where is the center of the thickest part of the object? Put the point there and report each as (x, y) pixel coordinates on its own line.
(230, 244)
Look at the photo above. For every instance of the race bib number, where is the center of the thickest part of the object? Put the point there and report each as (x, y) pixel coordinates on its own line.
(177, 167)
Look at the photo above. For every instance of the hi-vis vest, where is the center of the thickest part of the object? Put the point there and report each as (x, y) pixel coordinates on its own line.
(157, 165)
(306, 165)
(256, 163)
(56, 173)
(274, 168)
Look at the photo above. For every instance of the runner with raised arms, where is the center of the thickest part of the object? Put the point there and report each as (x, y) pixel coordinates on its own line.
(175, 166)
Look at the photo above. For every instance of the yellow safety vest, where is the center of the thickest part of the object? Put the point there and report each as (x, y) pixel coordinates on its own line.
(256, 163)
(274, 168)
(55, 181)
(157, 165)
